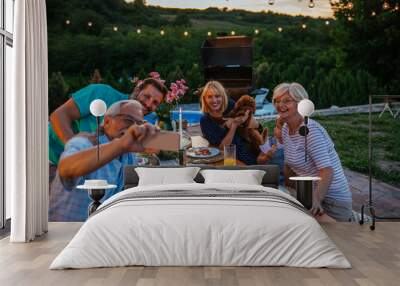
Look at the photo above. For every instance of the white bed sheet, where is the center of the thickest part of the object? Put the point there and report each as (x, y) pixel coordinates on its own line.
(200, 232)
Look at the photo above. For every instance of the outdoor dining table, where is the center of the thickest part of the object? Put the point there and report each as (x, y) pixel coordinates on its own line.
(215, 161)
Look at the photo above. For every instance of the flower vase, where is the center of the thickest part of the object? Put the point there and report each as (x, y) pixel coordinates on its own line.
(165, 122)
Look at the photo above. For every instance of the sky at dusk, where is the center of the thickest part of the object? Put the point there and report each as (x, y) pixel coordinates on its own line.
(294, 7)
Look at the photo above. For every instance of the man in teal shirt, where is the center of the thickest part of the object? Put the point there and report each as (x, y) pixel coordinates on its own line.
(74, 115)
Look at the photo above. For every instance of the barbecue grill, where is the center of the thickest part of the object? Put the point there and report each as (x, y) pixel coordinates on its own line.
(229, 60)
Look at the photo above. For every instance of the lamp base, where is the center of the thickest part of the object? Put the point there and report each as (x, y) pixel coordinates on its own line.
(305, 193)
(96, 195)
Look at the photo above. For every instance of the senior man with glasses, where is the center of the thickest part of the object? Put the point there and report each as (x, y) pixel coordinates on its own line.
(74, 115)
(122, 133)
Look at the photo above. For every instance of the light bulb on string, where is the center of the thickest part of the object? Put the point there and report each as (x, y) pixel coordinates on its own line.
(67, 22)
(350, 18)
(327, 23)
(90, 24)
(233, 33)
(280, 29)
(304, 26)
(271, 2)
(373, 13)
(311, 4)
(209, 34)
(350, 5)
(256, 31)
(162, 33)
(396, 7)
(385, 5)
(186, 33)
(115, 29)
(138, 31)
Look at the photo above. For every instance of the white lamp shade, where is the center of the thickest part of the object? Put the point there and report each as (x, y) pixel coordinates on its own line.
(305, 107)
(98, 107)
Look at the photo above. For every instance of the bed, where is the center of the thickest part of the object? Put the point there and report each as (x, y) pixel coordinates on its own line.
(198, 224)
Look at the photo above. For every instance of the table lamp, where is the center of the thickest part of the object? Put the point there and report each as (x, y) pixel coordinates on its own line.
(98, 108)
(305, 109)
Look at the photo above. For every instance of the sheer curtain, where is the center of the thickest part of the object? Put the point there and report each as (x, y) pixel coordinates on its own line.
(26, 124)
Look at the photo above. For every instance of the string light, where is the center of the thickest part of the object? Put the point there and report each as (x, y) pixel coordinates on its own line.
(162, 32)
(233, 33)
(385, 5)
(304, 26)
(67, 22)
(90, 24)
(209, 34)
(115, 28)
(373, 13)
(350, 5)
(280, 29)
(396, 8)
(138, 31)
(311, 4)
(350, 18)
(256, 31)
(327, 23)
(186, 33)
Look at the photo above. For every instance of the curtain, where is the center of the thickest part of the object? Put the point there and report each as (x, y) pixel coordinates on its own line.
(26, 124)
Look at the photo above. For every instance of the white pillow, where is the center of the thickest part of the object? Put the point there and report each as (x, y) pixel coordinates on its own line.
(166, 176)
(247, 177)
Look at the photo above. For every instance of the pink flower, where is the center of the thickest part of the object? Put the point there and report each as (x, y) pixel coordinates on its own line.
(169, 97)
(176, 91)
(155, 75)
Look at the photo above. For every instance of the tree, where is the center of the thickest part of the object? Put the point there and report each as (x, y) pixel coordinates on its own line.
(96, 78)
(182, 20)
(139, 4)
(369, 34)
(58, 91)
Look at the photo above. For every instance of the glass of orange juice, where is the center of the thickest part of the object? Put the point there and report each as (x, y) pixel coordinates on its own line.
(230, 155)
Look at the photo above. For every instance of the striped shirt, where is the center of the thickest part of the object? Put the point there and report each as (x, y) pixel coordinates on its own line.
(321, 154)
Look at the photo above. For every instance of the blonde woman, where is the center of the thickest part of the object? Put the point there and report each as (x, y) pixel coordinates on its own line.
(219, 131)
(331, 193)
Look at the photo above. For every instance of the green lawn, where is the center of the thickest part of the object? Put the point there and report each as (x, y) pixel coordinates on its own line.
(350, 135)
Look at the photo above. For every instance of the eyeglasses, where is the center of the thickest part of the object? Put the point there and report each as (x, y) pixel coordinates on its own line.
(129, 119)
(284, 101)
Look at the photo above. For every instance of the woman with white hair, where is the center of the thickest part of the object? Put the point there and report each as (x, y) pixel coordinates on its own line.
(331, 194)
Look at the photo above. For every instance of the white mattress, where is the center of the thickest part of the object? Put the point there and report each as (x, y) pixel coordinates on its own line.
(191, 231)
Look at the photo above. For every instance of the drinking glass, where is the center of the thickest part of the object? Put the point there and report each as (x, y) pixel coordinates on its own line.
(230, 155)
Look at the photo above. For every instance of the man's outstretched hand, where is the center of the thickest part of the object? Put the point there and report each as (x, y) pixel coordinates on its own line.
(132, 140)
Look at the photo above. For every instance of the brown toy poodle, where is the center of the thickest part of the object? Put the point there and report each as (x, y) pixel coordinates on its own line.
(249, 129)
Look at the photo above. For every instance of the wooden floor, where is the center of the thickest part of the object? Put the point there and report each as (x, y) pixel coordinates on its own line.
(375, 257)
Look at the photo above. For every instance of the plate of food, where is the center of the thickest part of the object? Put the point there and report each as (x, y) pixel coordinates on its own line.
(202, 152)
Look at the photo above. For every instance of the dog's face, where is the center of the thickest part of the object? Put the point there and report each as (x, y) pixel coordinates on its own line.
(246, 102)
